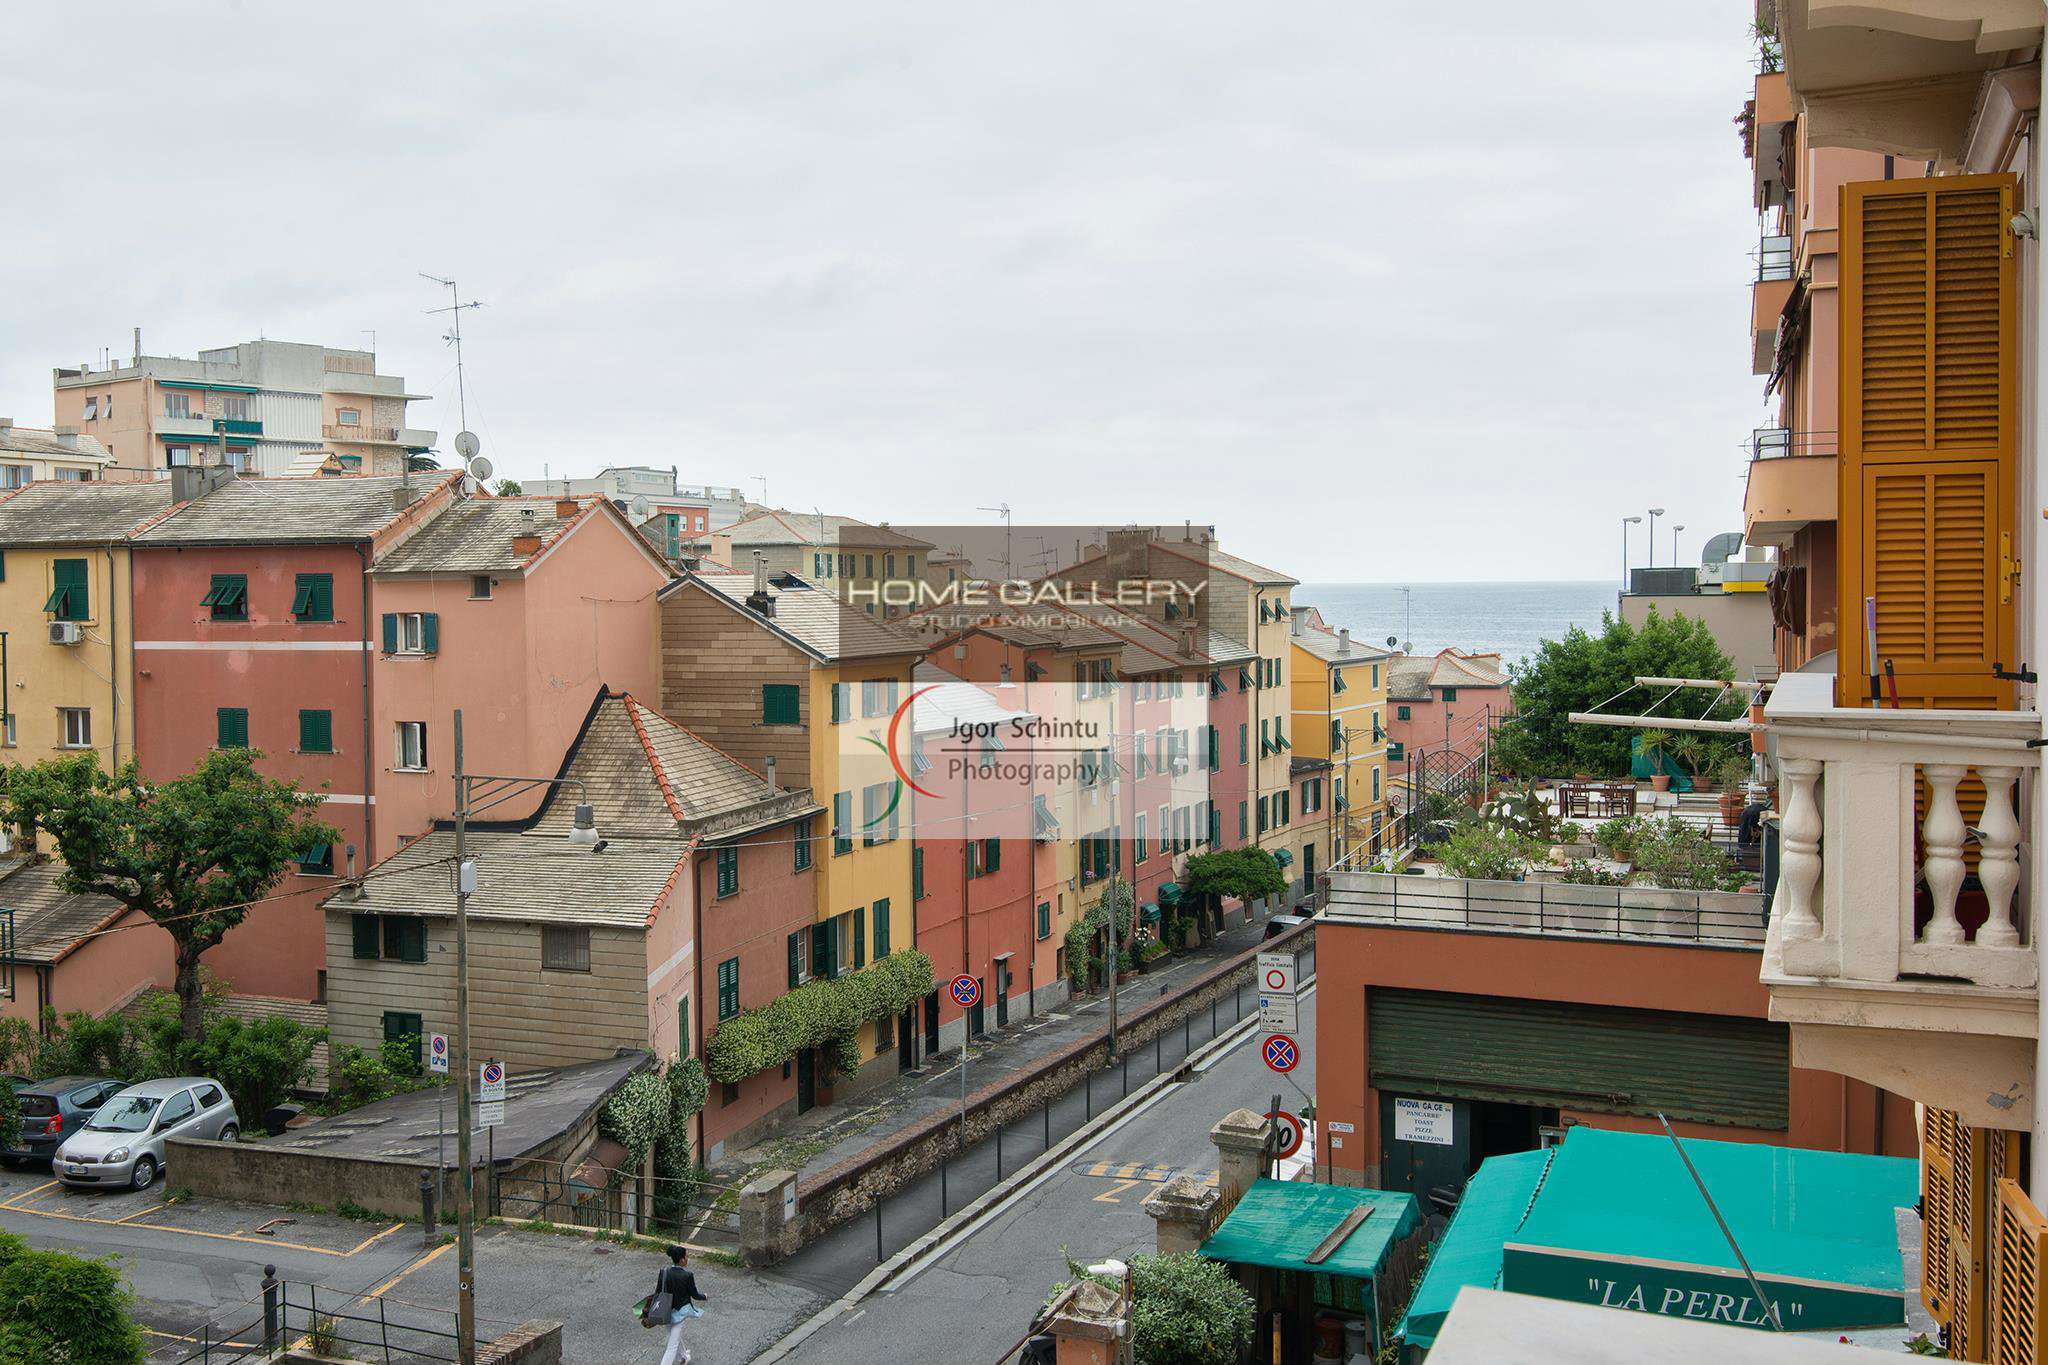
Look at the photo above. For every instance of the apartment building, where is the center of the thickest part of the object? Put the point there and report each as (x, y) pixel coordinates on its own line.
(1905, 934)
(677, 517)
(643, 930)
(791, 681)
(1445, 703)
(1340, 736)
(876, 569)
(260, 407)
(28, 454)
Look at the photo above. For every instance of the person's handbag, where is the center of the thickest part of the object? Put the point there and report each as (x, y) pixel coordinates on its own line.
(657, 1308)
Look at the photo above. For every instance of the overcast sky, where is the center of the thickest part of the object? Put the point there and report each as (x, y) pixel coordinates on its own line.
(1383, 294)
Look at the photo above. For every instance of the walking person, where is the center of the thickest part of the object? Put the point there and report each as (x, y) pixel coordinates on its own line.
(678, 1287)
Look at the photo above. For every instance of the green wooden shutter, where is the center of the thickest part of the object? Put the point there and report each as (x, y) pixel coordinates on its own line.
(860, 941)
(728, 988)
(728, 871)
(316, 732)
(430, 632)
(1045, 919)
(803, 845)
(779, 704)
(231, 727)
(313, 597)
(796, 957)
(390, 632)
(917, 874)
(822, 937)
(881, 928)
(363, 929)
(842, 822)
(1701, 1068)
(70, 599)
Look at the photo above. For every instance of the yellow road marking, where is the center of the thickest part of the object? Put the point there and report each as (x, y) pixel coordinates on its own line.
(139, 1212)
(1109, 1196)
(196, 1341)
(423, 1261)
(371, 1240)
(27, 1194)
(216, 1236)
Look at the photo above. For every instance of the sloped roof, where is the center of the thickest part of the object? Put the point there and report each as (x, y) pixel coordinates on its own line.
(42, 441)
(524, 876)
(49, 921)
(943, 699)
(54, 512)
(813, 617)
(776, 526)
(335, 507)
(1324, 643)
(1224, 562)
(475, 535)
(1411, 677)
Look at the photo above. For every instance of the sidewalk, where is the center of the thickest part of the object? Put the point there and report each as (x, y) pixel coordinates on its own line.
(814, 1142)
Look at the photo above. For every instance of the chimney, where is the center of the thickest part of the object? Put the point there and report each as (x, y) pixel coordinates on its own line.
(138, 345)
(527, 544)
(6, 423)
(61, 432)
(566, 508)
(1297, 617)
(1344, 640)
(759, 601)
(188, 482)
(401, 496)
(768, 767)
(1187, 640)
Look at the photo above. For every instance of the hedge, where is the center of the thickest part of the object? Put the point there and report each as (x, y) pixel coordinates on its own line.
(816, 1013)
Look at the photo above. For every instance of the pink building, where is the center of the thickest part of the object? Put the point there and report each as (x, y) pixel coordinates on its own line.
(514, 610)
(253, 628)
(1447, 701)
(75, 952)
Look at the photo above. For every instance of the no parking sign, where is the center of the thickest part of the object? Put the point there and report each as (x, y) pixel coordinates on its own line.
(965, 990)
(1281, 1054)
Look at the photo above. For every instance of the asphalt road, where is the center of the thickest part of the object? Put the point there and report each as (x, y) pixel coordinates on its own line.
(973, 1300)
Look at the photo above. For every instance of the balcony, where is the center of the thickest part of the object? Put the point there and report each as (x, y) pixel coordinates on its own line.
(198, 427)
(412, 438)
(1547, 907)
(238, 426)
(1792, 482)
(1771, 114)
(1900, 947)
(1766, 304)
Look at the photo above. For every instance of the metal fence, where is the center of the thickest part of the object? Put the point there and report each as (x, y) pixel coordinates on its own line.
(1550, 907)
(583, 1194)
(328, 1321)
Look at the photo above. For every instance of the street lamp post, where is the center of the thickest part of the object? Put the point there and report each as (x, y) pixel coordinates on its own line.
(1655, 512)
(1674, 543)
(1626, 522)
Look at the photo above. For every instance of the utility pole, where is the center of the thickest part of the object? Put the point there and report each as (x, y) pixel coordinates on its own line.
(1109, 891)
(465, 1186)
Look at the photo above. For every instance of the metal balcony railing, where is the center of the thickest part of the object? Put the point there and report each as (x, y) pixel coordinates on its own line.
(1548, 907)
(1774, 443)
(1774, 258)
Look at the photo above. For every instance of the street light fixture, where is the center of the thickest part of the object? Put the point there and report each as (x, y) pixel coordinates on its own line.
(1626, 522)
(1674, 543)
(1655, 512)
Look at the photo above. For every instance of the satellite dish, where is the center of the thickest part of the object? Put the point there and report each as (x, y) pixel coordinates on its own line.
(466, 444)
(642, 508)
(1393, 640)
(480, 467)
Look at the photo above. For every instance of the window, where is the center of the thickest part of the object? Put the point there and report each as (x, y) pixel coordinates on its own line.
(177, 457)
(728, 872)
(363, 929)
(728, 988)
(1337, 680)
(1243, 820)
(867, 567)
(888, 566)
(404, 1028)
(860, 938)
(825, 949)
(1450, 694)
(313, 597)
(877, 696)
(238, 407)
(412, 632)
(177, 405)
(917, 874)
(405, 938)
(992, 855)
(1244, 740)
(92, 408)
(69, 600)
(348, 417)
(1401, 713)
(316, 732)
(7, 729)
(910, 566)
(799, 957)
(228, 598)
(231, 727)
(317, 861)
(1264, 810)
(412, 746)
(1043, 927)
(1281, 801)
(842, 703)
(1375, 677)
(683, 1027)
(881, 917)
(1139, 854)
(16, 475)
(779, 704)
(1375, 783)
(564, 948)
(77, 726)
(803, 845)
(480, 587)
(881, 813)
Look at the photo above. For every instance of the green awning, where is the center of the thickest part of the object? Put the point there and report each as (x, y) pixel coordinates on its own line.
(1169, 893)
(1469, 1253)
(1149, 913)
(1278, 1224)
(1283, 856)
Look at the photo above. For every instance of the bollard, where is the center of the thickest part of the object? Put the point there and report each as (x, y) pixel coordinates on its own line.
(270, 1306)
(427, 1203)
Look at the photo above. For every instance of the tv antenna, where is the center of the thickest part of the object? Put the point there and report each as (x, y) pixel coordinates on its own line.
(1003, 509)
(761, 479)
(455, 310)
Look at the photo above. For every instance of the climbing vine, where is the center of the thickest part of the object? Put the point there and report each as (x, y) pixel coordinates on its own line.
(817, 1014)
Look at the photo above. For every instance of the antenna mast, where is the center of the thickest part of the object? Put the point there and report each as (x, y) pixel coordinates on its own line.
(454, 310)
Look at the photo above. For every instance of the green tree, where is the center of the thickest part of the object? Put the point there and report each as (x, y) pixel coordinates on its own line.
(1583, 671)
(507, 488)
(1487, 852)
(190, 853)
(10, 1115)
(1247, 873)
(60, 1308)
(1185, 1310)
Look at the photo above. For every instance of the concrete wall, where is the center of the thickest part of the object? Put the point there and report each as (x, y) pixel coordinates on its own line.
(261, 1173)
(1740, 621)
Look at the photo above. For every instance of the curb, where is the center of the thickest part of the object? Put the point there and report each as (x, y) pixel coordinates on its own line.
(985, 1205)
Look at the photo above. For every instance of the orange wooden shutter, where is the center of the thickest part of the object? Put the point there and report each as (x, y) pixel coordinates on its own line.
(1929, 438)
(1938, 1140)
(2019, 1253)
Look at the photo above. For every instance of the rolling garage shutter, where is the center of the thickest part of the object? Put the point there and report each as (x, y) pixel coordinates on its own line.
(1929, 437)
(1703, 1068)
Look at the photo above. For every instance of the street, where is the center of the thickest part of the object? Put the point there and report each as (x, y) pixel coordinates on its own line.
(974, 1299)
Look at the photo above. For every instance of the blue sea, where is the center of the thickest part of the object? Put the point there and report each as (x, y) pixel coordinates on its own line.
(1512, 619)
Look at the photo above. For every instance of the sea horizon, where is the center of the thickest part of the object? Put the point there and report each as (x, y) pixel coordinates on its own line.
(1511, 618)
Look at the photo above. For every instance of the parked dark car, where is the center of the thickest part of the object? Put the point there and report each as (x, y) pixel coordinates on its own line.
(1280, 924)
(53, 1110)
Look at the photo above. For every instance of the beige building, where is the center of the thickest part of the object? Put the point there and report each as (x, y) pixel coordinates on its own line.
(265, 407)
(869, 566)
(30, 454)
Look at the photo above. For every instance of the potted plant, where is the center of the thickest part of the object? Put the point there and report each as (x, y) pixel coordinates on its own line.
(1654, 743)
(1691, 751)
(1732, 771)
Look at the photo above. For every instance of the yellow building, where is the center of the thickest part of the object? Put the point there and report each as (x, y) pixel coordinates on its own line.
(790, 680)
(65, 636)
(1340, 701)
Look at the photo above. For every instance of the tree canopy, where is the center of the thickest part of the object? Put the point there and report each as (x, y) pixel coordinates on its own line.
(190, 853)
(1582, 671)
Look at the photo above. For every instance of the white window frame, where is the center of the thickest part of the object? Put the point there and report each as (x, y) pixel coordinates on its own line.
(348, 417)
(92, 407)
(237, 407)
(412, 632)
(7, 731)
(177, 403)
(409, 739)
(16, 475)
(76, 726)
(479, 580)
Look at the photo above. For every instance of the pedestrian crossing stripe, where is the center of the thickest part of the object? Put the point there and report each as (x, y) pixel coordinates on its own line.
(1130, 1170)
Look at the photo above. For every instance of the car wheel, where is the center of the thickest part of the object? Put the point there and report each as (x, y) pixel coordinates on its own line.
(230, 1133)
(145, 1172)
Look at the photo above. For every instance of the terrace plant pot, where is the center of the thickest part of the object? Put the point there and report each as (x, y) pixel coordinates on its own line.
(1661, 782)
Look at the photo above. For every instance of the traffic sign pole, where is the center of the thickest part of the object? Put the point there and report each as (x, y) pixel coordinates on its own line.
(966, 991)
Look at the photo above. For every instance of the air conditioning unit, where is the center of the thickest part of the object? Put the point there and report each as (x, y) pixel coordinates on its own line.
(66, 632)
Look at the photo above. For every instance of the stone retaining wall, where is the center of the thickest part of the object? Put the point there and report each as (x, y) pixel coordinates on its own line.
(853, 1187)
